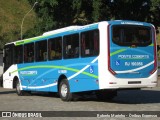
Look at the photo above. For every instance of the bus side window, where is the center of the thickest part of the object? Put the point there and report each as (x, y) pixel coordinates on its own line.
(55, 48)
(41, 50)
(29, 52)
(8, 56)
(18, 54)
(71, 46)
(90, 43)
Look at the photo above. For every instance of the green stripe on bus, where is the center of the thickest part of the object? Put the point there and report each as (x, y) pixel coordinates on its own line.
(122, 50)
(29, 40)
(151, 44)
(118, 51)
(59, 67)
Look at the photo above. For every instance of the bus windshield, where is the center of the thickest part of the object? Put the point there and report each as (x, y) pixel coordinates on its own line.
(129, 35)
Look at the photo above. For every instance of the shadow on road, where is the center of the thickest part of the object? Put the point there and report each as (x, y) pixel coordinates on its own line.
(7, 92)
(123, 97)
(129, 97)
(138, 97)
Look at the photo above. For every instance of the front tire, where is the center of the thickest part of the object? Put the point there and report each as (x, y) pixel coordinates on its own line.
(19, 91)
(64, 91)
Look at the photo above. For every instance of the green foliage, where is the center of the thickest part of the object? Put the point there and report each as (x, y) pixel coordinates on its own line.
(96, 9)
(54, 14)
(11, 14)
(158, 36)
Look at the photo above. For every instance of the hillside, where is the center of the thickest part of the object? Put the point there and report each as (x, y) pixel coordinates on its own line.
(11, 15)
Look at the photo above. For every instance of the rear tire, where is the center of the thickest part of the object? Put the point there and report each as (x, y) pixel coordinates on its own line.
(64, 91)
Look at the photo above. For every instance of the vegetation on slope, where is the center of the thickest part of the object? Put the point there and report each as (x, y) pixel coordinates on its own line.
(11, 15)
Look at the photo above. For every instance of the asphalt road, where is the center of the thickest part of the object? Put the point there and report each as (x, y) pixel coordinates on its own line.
(147, 99)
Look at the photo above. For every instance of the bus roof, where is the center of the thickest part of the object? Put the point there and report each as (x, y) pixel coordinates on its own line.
(73, 29)
(60, 32)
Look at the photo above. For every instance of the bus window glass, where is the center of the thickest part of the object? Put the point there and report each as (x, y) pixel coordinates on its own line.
(55, 48)
(18, 54)
(90, 43)
(128, 35)
(8, 59)
(41, 50)
(29, 52)
(71, 46)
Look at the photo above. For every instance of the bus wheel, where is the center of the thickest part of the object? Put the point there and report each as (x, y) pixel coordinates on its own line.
(106, 94)
(19, 91)
(64, 91)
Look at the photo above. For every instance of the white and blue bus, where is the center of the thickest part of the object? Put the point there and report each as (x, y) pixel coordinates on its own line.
(102, 57)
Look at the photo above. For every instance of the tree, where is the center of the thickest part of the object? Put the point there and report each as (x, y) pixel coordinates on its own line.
(154, 15)
(54, 14)
(11, 13)
(139, 10)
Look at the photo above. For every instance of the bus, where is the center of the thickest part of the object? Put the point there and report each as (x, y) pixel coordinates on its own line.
(102, 57)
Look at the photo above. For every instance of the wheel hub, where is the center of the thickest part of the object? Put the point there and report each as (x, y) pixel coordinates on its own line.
(18, 88)
(64, 90)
